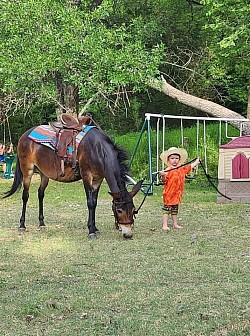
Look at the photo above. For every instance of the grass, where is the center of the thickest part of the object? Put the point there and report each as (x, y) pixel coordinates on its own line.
(194, 281)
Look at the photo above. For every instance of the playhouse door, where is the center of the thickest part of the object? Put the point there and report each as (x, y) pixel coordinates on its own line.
(240, 166)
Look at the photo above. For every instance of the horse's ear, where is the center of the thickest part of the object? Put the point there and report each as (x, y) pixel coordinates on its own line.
(136, 188)
(115, 196)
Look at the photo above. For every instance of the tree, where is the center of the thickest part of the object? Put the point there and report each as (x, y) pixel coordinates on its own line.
(72, 51)
(73, 46)
(224, 66)
(227, 33)
(200, 104)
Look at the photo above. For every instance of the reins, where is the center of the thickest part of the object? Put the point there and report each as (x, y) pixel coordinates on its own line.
(212, 184)
(184, 164)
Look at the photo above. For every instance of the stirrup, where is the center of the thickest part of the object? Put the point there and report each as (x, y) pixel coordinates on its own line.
(62, 174)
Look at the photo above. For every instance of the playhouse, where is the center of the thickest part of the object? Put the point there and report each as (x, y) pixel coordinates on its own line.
(234, 171)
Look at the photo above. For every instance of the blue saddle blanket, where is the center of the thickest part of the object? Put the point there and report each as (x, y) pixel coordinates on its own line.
(46, 135)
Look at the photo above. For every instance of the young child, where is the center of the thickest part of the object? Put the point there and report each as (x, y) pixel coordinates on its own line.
(174, 181)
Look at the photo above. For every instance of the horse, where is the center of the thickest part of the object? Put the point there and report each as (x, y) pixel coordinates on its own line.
(97, 158)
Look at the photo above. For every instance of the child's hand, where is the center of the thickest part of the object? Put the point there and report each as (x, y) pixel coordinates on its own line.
(164, 176)
(195, 163)
(162, 172)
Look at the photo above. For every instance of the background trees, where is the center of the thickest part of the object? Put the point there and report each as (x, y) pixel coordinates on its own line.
(60, 55)
(78, 49)
(227, 31)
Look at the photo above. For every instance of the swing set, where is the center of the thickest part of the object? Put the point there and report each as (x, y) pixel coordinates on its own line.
(7, 156)
(161, 124)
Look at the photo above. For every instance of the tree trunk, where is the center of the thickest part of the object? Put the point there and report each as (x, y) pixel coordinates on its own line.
(67, 97)
(200, 104)
(68, 94)
(71, 97)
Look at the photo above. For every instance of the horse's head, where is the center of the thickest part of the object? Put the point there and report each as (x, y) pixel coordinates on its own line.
(124, 209)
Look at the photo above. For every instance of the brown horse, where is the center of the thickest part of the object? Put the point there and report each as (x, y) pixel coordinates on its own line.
(98, 157)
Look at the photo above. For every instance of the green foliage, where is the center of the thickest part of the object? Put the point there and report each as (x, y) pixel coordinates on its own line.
(228, 59)
(135, 113)
(114, 49)
(38, 39)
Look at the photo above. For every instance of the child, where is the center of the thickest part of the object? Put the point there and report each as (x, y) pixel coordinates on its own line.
(174, 181)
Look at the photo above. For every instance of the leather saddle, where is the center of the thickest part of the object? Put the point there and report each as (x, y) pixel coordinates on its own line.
(66, 131)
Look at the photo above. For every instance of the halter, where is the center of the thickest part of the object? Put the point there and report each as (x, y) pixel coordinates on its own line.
(115, 203)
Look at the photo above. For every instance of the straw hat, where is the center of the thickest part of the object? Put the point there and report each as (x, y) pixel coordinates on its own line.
(174, 150)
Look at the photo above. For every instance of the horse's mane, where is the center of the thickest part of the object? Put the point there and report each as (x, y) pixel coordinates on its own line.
(122, 156)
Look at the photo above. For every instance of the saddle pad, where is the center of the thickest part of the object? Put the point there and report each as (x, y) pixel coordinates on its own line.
(45, 135)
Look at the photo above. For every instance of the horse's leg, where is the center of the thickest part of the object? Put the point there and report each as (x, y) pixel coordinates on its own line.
(41, 189)
(25, 197)
(92, 195)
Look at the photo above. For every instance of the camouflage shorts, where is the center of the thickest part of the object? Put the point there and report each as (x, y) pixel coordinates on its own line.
(170, 209)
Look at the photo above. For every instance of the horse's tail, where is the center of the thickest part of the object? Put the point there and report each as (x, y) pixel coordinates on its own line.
(18, 178)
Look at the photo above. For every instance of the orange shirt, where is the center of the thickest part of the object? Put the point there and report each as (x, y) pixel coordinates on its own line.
(174, 182)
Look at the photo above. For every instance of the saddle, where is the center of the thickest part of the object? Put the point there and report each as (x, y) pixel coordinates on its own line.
(66, 131)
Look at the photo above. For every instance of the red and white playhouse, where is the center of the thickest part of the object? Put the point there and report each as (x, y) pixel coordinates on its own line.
(234, 171)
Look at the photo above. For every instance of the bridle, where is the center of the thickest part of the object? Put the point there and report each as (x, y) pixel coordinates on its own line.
(115, 204)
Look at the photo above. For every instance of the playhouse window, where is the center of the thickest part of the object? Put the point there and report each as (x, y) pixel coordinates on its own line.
(240, 166)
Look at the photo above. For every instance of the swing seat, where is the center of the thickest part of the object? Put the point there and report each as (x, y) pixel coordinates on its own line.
(9, 159)
(191, 177)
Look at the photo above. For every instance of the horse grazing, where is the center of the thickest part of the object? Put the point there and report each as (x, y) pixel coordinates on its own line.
(97, 158)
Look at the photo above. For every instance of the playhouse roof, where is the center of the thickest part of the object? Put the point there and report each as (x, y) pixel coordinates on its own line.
(240, 142)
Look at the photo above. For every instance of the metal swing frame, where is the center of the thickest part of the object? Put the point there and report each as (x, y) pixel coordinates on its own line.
(148, 186)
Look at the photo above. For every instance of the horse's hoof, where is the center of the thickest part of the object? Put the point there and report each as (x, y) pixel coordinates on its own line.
(41, 227)
(92, 236)
(21, 229)
(127, 237)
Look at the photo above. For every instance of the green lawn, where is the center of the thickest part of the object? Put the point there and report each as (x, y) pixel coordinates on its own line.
(193, 281)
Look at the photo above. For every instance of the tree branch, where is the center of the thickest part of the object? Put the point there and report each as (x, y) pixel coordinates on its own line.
(200, 104)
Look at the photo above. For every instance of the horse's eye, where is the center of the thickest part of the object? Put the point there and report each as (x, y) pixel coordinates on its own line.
(119, 211)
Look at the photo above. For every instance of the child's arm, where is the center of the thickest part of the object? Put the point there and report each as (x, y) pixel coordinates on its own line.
(164, 176)
(195, 163)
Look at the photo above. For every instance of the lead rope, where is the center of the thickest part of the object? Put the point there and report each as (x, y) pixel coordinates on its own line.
(185, 164)
(209, 180)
